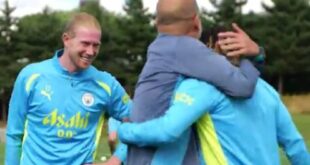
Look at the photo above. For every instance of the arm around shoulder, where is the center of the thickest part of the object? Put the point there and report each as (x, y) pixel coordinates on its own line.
(190, 102)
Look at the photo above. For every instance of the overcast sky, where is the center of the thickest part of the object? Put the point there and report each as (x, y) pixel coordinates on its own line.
(24, 7)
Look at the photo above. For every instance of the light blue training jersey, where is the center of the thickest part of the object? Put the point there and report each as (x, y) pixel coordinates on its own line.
(121, 149)
(113, 124)
(55, 117)
(231, 131)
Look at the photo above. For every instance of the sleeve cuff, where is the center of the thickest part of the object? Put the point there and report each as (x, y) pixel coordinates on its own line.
(261, 55)
(121, 151)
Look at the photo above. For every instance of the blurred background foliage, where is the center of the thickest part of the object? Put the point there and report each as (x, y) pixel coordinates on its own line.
(283, 30)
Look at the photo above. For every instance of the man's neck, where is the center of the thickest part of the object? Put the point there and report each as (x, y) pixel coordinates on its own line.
(65, 62)
(175, 30)
(171, 30)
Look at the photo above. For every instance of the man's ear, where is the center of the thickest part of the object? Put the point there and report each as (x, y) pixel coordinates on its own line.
(197, 27)
(156, 21)
(65, 38)
(157, 24)
(197, 22)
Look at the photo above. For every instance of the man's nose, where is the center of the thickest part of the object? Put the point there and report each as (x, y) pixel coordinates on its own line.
(91, 50)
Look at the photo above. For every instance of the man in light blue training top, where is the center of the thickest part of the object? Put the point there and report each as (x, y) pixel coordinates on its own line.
(230, 130)
(177, 51)
(57, 105)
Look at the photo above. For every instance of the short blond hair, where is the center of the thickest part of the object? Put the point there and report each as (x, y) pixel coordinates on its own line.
(81, 19)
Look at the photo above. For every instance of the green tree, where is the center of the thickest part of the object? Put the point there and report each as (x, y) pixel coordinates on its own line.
(113, 44)
(7, 29)
(92, 7)
(287, 38)
(227, 11)
(138, 34)
(206, 20)
(39, 35)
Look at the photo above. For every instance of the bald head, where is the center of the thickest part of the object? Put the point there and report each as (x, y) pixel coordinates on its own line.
(173, 11)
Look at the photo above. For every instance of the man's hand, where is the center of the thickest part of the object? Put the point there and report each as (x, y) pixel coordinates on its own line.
(112, 137)
(237, 43)
(112, 161)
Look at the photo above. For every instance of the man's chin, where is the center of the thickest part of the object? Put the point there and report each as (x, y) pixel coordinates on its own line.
(85, 63)
(84, 66)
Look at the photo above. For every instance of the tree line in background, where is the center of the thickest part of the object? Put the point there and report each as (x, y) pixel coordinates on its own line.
(283, 30)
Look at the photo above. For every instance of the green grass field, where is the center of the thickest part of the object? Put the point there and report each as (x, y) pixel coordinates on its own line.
(302, 122)
(2, 153)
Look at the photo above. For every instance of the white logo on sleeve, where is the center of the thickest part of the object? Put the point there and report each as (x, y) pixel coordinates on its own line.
(47, 92)
(88, 99)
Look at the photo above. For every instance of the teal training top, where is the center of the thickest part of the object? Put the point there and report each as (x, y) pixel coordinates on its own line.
(55, 117)
(121, 148)
(113, 125)
(231, 131)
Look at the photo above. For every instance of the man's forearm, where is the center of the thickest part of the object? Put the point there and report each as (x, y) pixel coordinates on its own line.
(13, 150)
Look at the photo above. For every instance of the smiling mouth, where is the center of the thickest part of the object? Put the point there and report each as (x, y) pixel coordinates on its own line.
(87, 59)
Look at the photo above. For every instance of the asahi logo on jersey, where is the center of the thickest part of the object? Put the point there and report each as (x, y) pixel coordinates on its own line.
(61, 120)
(66, 126)
(88, 99)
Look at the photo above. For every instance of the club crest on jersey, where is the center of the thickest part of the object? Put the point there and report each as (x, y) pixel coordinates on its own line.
(88, 99)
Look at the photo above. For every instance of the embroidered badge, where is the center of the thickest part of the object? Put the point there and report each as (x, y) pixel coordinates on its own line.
(88, 99)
